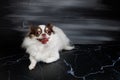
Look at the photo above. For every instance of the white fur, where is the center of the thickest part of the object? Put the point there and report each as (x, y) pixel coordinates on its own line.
(48, 52)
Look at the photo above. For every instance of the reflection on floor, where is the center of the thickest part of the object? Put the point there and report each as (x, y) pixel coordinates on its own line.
(85, 62)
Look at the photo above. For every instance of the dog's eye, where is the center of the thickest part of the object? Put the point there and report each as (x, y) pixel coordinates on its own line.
(38, 32)
(47, 30)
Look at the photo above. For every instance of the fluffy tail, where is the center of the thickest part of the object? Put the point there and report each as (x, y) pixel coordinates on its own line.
(69, 46)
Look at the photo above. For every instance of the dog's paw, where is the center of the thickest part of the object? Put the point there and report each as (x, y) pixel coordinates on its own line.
(31, 67)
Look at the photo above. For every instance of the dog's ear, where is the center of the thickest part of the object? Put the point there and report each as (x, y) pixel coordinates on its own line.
(50, 26)
(31, 30)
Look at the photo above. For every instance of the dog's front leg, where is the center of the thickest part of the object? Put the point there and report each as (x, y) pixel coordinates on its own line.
(32, 63)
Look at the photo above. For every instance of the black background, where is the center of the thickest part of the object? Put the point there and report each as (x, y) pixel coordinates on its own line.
(84, 21)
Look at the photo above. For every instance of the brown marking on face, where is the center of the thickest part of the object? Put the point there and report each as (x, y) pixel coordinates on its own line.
(49, 29)
(34, 31)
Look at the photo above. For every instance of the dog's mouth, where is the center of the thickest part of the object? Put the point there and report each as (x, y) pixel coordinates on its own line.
(43, 40)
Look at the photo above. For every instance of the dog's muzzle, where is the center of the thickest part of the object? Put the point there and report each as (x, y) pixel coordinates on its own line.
(43, 40)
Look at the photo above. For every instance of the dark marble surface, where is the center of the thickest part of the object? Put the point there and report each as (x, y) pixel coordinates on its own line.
(85, 62)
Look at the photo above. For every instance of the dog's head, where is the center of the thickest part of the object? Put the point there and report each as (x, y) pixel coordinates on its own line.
(41, 32)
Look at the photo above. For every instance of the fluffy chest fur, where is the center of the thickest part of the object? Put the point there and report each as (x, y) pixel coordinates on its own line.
(41, 51)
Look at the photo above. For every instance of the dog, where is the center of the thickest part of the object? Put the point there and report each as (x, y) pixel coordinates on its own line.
(43, 43)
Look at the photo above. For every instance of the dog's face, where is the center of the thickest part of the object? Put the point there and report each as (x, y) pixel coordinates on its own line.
(41, 32)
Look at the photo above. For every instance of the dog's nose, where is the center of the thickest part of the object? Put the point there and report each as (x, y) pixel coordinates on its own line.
(43, 35)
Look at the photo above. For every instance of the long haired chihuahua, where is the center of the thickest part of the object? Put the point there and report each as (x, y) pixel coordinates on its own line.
(43, 43)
